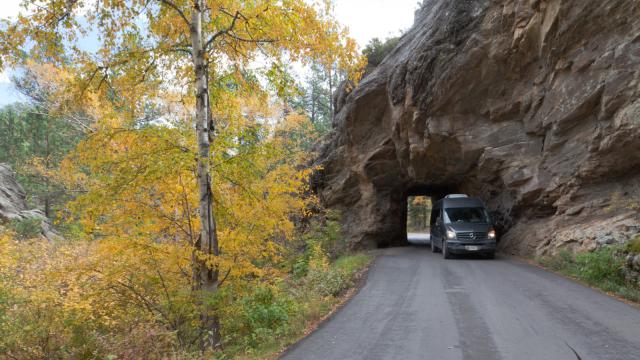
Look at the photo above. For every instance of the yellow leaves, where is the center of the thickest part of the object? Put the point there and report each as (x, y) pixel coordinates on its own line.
(8, 257)
(138, 186)
(106, 284)
(318, 260)
(134, 173)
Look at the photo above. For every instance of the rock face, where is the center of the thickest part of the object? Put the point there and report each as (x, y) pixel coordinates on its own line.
(532, 105)
(13, 205)
(12, 196)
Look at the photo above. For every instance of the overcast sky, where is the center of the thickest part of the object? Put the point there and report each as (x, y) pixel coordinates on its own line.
(366, 19)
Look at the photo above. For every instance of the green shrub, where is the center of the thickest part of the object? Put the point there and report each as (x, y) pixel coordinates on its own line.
(377, 49)
(326, 232)
(300, 267)
(323, 232)
(633, 246)
(562, 261)
(26, 228)
(602, 268)
(330, 282)
(265, 314)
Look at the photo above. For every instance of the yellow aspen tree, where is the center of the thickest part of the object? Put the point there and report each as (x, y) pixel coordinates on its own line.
(163, 42)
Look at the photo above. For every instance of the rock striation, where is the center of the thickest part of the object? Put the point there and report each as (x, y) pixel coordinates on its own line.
(532, 105)
(13, 204)
(12, 196)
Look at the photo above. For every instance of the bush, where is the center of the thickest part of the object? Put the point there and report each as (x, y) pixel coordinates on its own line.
(265, 314)
(323, 232)
(26, 228)
(332, 279)
(326, 232)
(376, 50)
(633, 246)
(138, 306)
(560, 262)
(597, 267)
(329, 282)
(602, 268)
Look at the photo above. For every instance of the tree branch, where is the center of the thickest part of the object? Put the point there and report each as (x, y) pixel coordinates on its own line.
(177, 9)
(213, 38)
(259, 41)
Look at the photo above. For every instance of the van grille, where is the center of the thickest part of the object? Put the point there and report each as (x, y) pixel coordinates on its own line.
(472, 236)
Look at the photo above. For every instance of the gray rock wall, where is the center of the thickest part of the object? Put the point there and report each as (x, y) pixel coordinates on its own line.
(13, 204)
(12, 196)
(530, 104)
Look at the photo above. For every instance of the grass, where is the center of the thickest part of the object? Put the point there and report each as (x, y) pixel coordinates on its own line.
(351, 264)
(602, 269)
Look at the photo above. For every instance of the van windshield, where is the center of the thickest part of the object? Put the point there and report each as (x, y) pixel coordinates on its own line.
(467, 215)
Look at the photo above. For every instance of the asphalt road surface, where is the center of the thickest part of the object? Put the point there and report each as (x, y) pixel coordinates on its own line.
(416, 305)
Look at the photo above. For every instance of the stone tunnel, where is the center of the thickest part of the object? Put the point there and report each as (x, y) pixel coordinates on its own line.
(531, 105)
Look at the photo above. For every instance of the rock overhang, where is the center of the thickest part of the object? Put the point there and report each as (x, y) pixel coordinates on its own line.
(530, 105)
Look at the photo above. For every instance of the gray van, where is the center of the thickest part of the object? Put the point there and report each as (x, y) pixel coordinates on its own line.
(461, 225)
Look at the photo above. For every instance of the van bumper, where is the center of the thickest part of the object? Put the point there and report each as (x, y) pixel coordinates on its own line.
(458, 247)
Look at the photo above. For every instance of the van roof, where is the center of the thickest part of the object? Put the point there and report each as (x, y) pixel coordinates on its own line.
(455, 196)
(460, 202)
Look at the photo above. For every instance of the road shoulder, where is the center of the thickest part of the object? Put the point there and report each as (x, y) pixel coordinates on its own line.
(360, 280)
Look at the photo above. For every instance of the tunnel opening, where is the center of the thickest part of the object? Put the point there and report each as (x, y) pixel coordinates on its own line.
(418, 216)
(418, 202)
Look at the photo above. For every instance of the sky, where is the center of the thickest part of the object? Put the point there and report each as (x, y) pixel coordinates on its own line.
(366, 19)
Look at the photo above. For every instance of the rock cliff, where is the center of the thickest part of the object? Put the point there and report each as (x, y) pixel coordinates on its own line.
(13, 204)
(531, 105)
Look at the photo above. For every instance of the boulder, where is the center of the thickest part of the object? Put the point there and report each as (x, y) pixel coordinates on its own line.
(532, 105)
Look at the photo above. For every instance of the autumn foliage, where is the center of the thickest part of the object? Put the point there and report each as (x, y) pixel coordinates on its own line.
(123, 277)
(182, 98)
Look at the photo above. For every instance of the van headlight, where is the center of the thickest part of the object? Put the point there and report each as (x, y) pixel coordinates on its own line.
(451, 234)
(492, 234)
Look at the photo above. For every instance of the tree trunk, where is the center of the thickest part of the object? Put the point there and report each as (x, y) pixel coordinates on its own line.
(205, 278)
(313, 103)
(47, 166)
(331, 114)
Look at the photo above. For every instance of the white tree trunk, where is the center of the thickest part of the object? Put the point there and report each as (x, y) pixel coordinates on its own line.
(205, 278)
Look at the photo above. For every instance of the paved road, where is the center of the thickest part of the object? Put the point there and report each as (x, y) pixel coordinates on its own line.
(416, 305)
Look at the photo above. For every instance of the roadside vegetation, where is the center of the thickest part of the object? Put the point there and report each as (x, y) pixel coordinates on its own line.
(178, 179)
(318, 279)
(603, 268)
(633, 246)
(117, 300)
